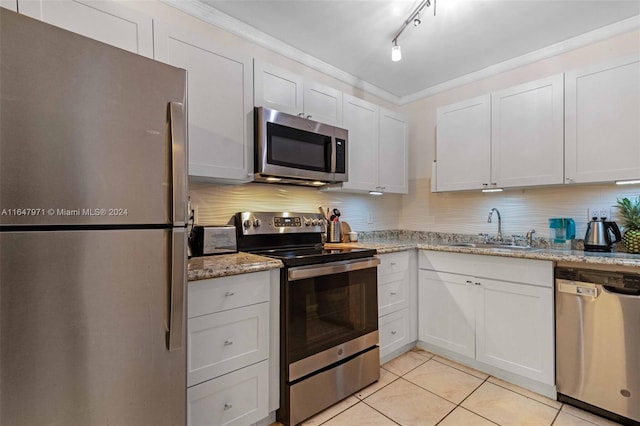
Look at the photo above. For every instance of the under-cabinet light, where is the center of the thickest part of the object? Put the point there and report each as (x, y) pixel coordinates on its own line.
(375, 193)
(318, 183)
(273, 179)
(627, 182)
(492, 190)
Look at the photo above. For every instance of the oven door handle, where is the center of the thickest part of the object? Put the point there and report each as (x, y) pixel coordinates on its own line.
(311, 271)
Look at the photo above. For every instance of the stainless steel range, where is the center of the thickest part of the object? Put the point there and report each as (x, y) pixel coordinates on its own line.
(329, 311)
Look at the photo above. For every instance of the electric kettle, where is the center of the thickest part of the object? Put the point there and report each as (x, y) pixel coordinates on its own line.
(599, 233)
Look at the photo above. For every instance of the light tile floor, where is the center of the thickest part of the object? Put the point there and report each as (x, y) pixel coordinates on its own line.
(419, 388)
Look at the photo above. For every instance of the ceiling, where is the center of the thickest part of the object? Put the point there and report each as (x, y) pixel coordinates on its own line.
(465, 36)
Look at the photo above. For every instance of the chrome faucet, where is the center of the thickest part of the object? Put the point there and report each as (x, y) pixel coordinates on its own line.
(499, 222)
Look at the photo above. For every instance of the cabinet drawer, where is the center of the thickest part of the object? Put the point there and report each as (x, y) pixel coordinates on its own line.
(221, 294)
(394, 331)
(392, 293)
(238, 398)
(225, 341)
(392, 263)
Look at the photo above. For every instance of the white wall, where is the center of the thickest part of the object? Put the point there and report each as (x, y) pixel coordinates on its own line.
(521, 209)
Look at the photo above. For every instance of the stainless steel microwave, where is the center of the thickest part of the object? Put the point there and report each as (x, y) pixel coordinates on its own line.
(296, 150)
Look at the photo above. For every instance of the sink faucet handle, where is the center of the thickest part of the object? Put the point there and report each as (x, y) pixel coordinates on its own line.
(530, 236)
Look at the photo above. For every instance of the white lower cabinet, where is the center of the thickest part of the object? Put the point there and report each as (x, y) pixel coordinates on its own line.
(495, 312)
(238, 398)
(514, 328)
(394, 331)
(232, 350)
(397, 307)
(447, 311)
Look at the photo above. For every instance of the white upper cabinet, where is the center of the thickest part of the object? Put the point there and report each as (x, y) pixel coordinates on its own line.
(527, 134)
(285, 91)
(220, 110)
(361, 119)
(277, 88)
(322, 103)
(105, 21)
(602, 121)
(463, 145)
(510, 138)
(378, 147)
(9, 4)
(393, 152)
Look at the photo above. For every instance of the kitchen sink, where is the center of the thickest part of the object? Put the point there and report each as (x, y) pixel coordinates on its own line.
(504, 246)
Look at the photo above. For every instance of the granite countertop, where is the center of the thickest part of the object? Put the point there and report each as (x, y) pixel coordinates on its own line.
(572, 256)
(202, 268)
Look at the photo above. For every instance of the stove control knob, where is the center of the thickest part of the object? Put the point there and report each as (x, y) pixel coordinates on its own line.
(314, 222)
(307, 221)
(246, 223)
(257, 223)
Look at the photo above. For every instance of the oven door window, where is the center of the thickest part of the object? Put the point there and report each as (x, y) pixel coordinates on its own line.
(326, 311)
(289, 147)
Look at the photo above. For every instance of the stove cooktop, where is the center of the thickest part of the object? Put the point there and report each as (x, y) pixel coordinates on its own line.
(312, 255)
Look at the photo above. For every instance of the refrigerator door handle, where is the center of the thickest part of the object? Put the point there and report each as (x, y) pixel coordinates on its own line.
(178, 281)
(177, 121)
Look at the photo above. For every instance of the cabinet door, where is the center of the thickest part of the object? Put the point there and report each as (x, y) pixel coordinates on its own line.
(602, 121)
(527, 134)
(361, 119)
(277, 88)
(463, 145)
(393, 152)
(322, 103)
(446, 311)
(105, 21)
(9, 4)
(514, 328)
(220, 106)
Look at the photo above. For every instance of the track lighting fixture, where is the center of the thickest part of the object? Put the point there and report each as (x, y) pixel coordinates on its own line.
(396, 55)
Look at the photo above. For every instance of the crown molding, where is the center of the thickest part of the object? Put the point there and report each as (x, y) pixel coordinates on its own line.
(600, 34)
(228, 23)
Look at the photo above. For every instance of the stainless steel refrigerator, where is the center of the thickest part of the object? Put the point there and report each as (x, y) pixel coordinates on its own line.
(93, 194)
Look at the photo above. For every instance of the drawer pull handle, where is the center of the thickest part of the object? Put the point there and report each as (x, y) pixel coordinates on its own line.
(393, 264)
(228, 342)
(477, 283)
(229, 293)
(469, 282)
(393, 293)
(394, 332)
(228, 406)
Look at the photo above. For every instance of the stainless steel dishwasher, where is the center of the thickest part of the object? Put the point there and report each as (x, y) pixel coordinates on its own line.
(598, 341)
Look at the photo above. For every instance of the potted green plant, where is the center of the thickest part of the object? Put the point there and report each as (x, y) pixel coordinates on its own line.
(630, 214)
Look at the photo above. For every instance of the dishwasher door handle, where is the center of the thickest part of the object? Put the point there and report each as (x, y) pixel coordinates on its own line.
(579, 288)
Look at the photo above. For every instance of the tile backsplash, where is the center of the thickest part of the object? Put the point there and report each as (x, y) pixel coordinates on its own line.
(420, 210)
(215, 204)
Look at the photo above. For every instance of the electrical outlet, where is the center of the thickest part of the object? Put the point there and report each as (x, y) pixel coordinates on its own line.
(370, 220)
(599, 211)
(195, 214)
